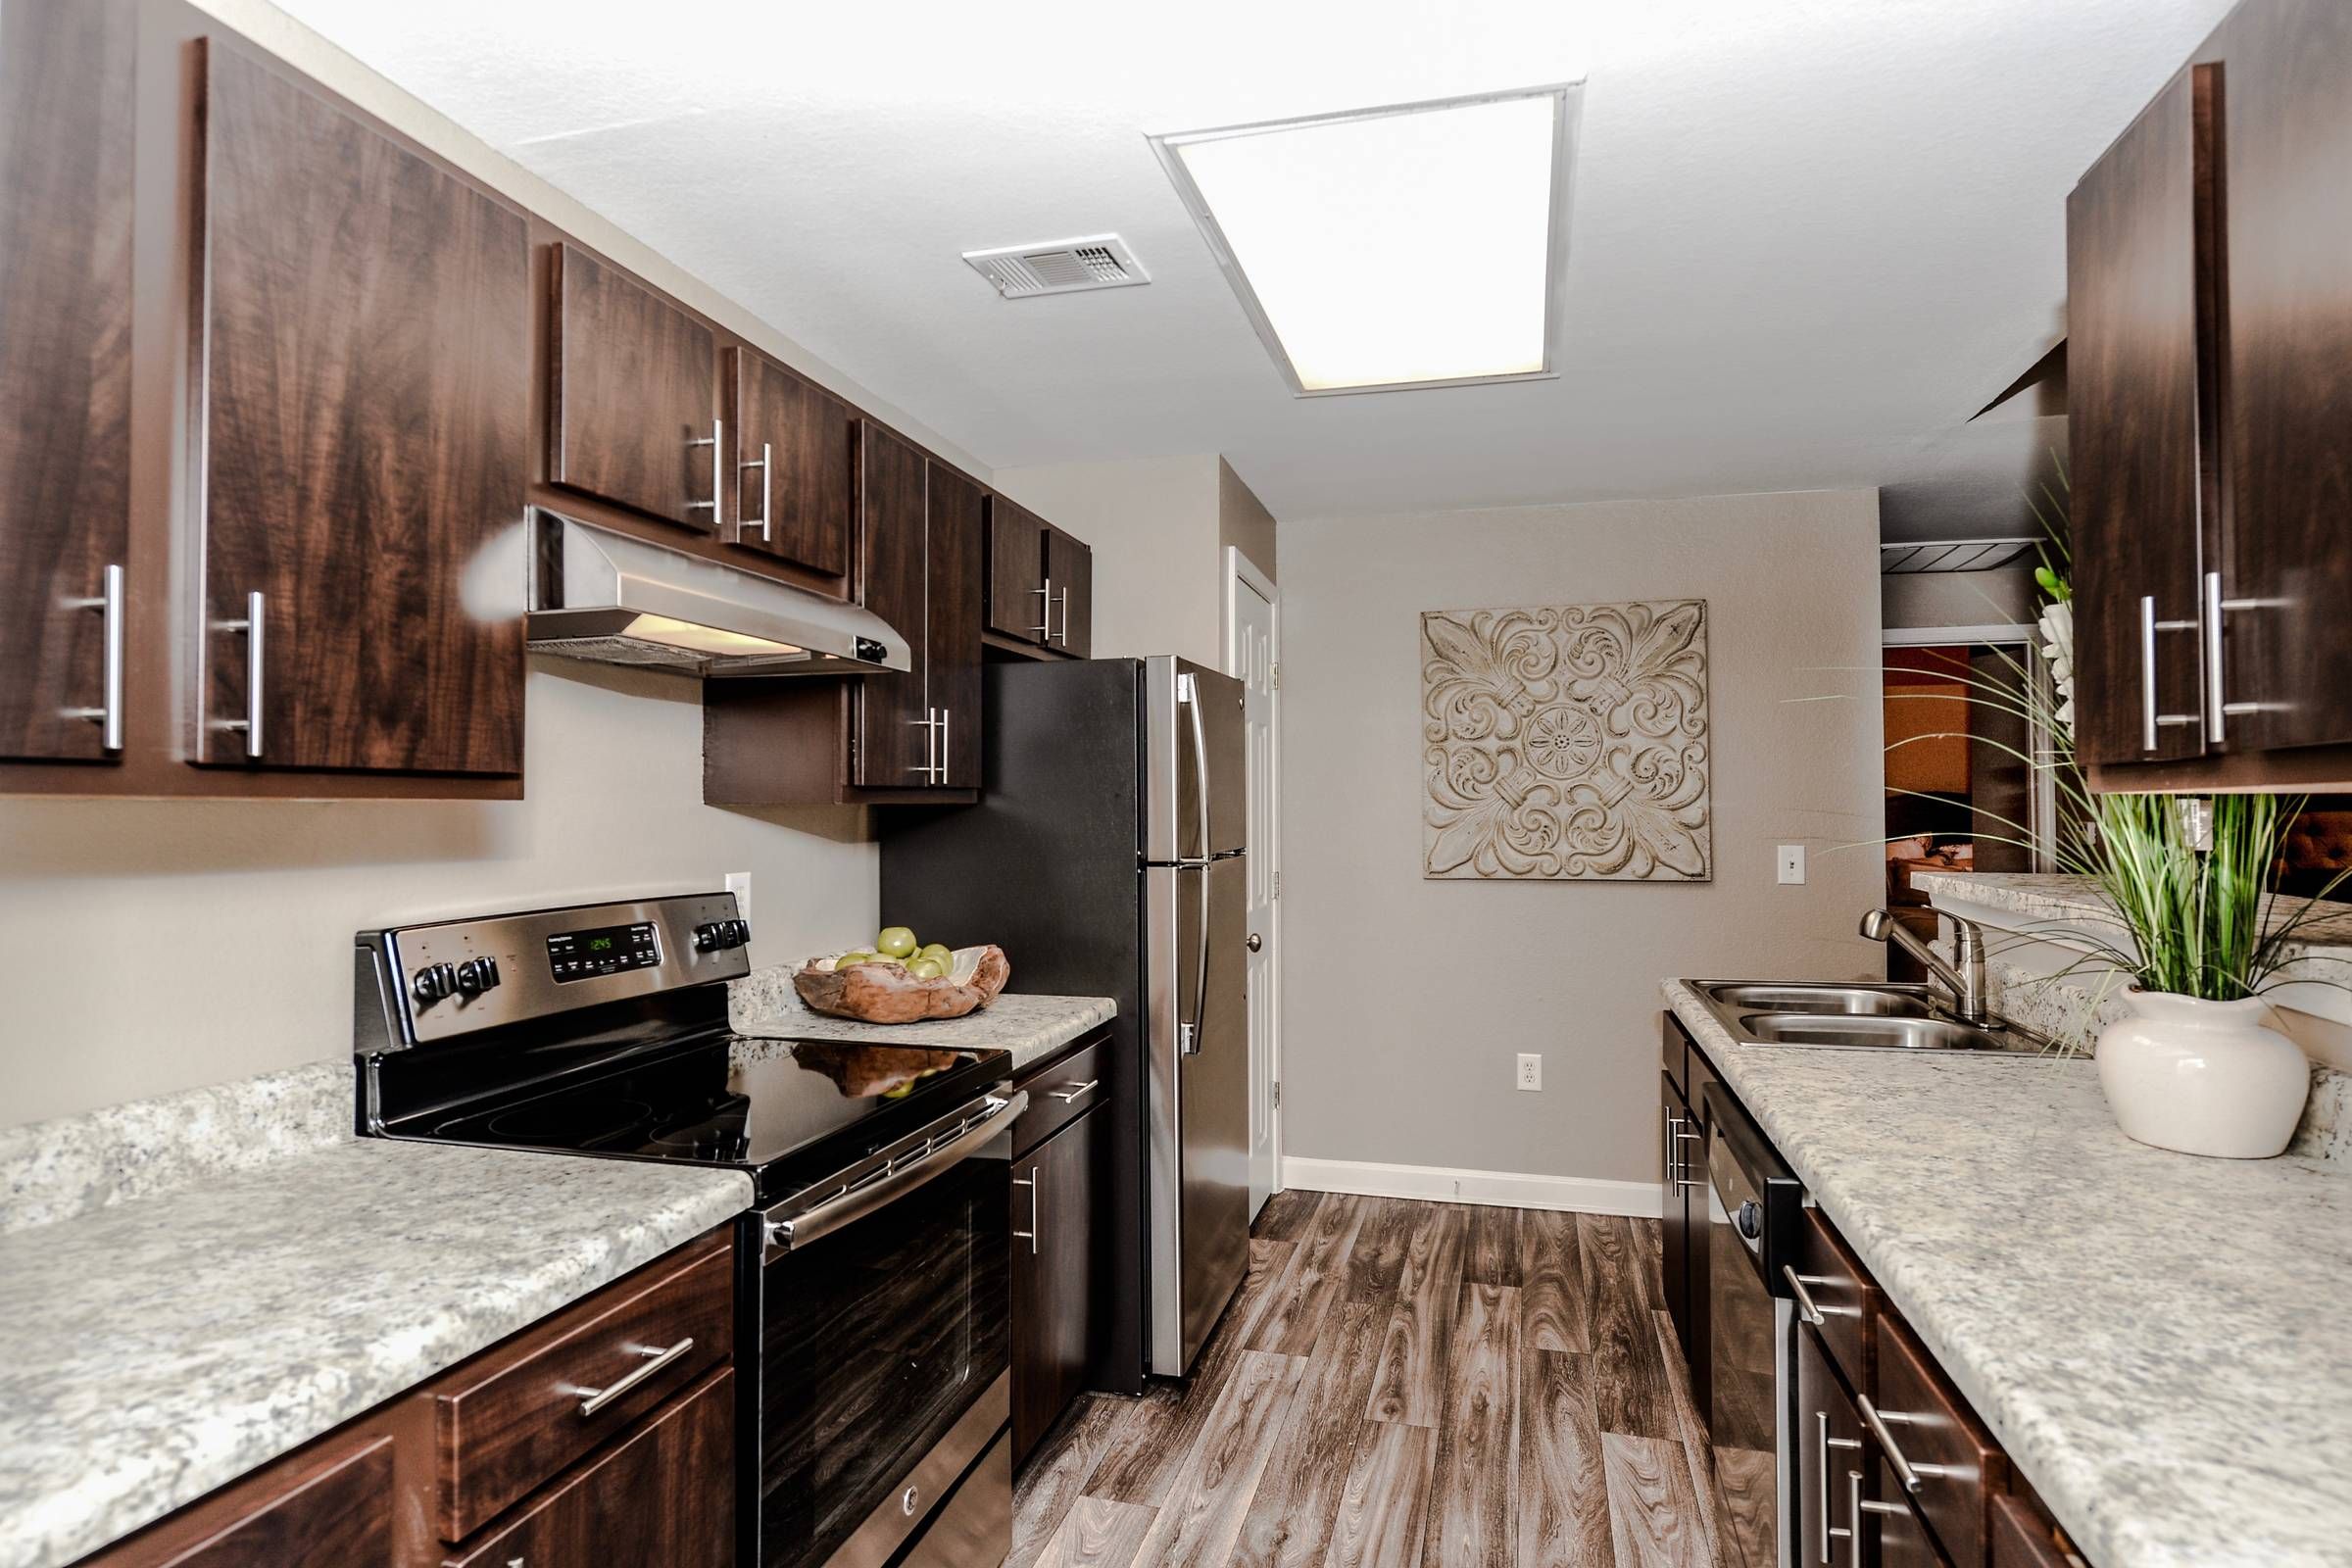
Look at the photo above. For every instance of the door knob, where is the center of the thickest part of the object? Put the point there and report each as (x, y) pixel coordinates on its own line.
(1256, 942)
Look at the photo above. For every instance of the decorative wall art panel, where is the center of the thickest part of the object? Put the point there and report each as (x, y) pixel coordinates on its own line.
(1567, 743)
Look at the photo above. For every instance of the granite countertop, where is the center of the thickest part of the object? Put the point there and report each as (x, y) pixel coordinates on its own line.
(763, 1005)
(162, 1346)
(2155, 1339)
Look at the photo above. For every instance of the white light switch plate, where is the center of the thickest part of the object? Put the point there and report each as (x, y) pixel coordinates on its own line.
(1793, 862)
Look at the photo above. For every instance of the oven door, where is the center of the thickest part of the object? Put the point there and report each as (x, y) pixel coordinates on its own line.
(884, 1346)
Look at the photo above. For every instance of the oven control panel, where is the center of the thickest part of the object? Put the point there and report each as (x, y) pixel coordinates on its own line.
(421, 984)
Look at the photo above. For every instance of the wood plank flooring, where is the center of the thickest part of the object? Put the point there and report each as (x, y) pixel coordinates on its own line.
(1400, 1385)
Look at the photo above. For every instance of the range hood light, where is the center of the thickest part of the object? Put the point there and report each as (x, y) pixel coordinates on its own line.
(709, 640)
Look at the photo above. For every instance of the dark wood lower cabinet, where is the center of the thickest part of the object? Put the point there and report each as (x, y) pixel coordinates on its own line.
(665, 1496)
(1056, 1301)
(1832, 1473)
(1896, 1535)
(492, 1462)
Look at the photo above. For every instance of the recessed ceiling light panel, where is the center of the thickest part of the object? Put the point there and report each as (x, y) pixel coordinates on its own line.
(1418, 245)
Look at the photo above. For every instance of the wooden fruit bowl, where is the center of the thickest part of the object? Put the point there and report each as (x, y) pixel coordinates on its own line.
(880, 991)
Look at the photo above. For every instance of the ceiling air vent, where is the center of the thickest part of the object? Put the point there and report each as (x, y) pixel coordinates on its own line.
(1060, 267)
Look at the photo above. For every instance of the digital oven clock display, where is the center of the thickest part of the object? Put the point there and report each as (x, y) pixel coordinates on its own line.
(607, 949)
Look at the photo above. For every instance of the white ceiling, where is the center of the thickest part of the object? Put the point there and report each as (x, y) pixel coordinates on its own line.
(1808, 237)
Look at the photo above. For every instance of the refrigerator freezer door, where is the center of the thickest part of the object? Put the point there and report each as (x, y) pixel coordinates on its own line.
(1200, 1105)
(1196, 782)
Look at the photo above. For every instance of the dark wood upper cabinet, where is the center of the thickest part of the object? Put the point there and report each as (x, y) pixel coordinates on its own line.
(1071, 568)
(2138, 433)
(954, 533)
(2284, 78)
(362, 379)
(1016, 568)
(632, 397)
(66, 127)
(895, 739)
(794, 453)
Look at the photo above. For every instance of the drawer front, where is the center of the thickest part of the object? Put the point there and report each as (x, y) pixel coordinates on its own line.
(1925, 1419)
(1832, 1277)
(666, 1495)
(1903, 1541)
(526, 1410)
(1060, 1092)
(331, 1508)
(2023, 1539)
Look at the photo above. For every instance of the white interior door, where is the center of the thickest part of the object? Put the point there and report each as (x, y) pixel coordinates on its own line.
(1252, 646)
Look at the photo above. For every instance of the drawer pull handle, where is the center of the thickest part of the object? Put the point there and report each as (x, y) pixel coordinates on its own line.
(1806, 1308)
(595, 1400)
(1912, 1476)
(1065, 1095)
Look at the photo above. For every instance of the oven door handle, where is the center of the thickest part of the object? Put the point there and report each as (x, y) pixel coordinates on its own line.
(783, 1235)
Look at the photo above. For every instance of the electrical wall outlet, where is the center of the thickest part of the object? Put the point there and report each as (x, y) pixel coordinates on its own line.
(1792, 863)
(1531, 1070)
(739, 883)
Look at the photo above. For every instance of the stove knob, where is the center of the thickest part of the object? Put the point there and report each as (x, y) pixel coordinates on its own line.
(477, 975)
(1749, 1218)
(739, 932)
(709, 937)
(435, 981)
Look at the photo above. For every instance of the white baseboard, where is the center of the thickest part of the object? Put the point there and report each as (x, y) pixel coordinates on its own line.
(1445, 1184)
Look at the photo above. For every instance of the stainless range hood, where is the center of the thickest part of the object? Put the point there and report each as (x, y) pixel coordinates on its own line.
(617, 600)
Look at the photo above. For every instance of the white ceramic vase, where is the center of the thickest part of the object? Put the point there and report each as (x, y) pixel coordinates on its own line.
(2203, 1077)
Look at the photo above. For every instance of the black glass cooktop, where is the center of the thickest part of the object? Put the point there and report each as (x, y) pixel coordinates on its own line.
(791, 1112)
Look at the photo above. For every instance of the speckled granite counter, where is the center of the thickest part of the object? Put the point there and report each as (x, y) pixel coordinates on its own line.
(163, 1344)
(764, 1005)
(2157, 1340)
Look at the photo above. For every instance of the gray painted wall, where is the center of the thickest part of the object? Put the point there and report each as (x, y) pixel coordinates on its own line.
(1405, 1001)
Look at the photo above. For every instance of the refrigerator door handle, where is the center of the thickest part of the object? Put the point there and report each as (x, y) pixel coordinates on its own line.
(1188, 693)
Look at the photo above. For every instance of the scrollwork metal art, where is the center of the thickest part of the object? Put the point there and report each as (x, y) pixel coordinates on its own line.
(1567, 743)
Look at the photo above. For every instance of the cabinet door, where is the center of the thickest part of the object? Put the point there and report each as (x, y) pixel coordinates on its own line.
(631, 406)
(2287, 86)
(1674, 1226)
(666, 1495)
(1900, 1536)
(795, 452)
(954, 538)
(895, 739)
(1054, 1304)
(1070, 563)
(362, 373)
(1017, 564)
(2140, 433)
(1830, 1473)
(331, 1508)
(65, 376)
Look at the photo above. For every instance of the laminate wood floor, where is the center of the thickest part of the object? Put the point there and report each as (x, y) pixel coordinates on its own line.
(1400, 1385)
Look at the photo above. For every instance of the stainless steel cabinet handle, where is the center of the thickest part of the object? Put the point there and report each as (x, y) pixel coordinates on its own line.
(1829, 1531)
(108, 715)
(2150, 720)
(1806, 1308)
(945, 714)
(1045, 612)
(929, 766)
(2217, 710)
(1674, 1148)
(716, 442)
(1063, 599)
(595, 1400)
(1030, 1235)
(1065, 1095)
(767, 465)
(254, 627)
(1912, 1476)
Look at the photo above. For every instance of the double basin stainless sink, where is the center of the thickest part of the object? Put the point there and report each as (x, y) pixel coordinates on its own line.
(1850, 1017)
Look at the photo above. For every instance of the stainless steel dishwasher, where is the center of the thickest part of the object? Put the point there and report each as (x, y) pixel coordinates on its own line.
(1754, 1206)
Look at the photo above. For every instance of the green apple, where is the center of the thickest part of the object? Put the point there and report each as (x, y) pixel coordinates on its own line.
(921, 969)
(895, 942)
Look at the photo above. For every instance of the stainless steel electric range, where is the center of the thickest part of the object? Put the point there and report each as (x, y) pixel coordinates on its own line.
(873, 1301)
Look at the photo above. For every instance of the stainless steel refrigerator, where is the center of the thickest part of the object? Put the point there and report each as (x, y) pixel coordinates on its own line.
(1107, 857)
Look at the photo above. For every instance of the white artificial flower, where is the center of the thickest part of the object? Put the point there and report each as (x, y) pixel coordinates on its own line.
(2057, 626)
